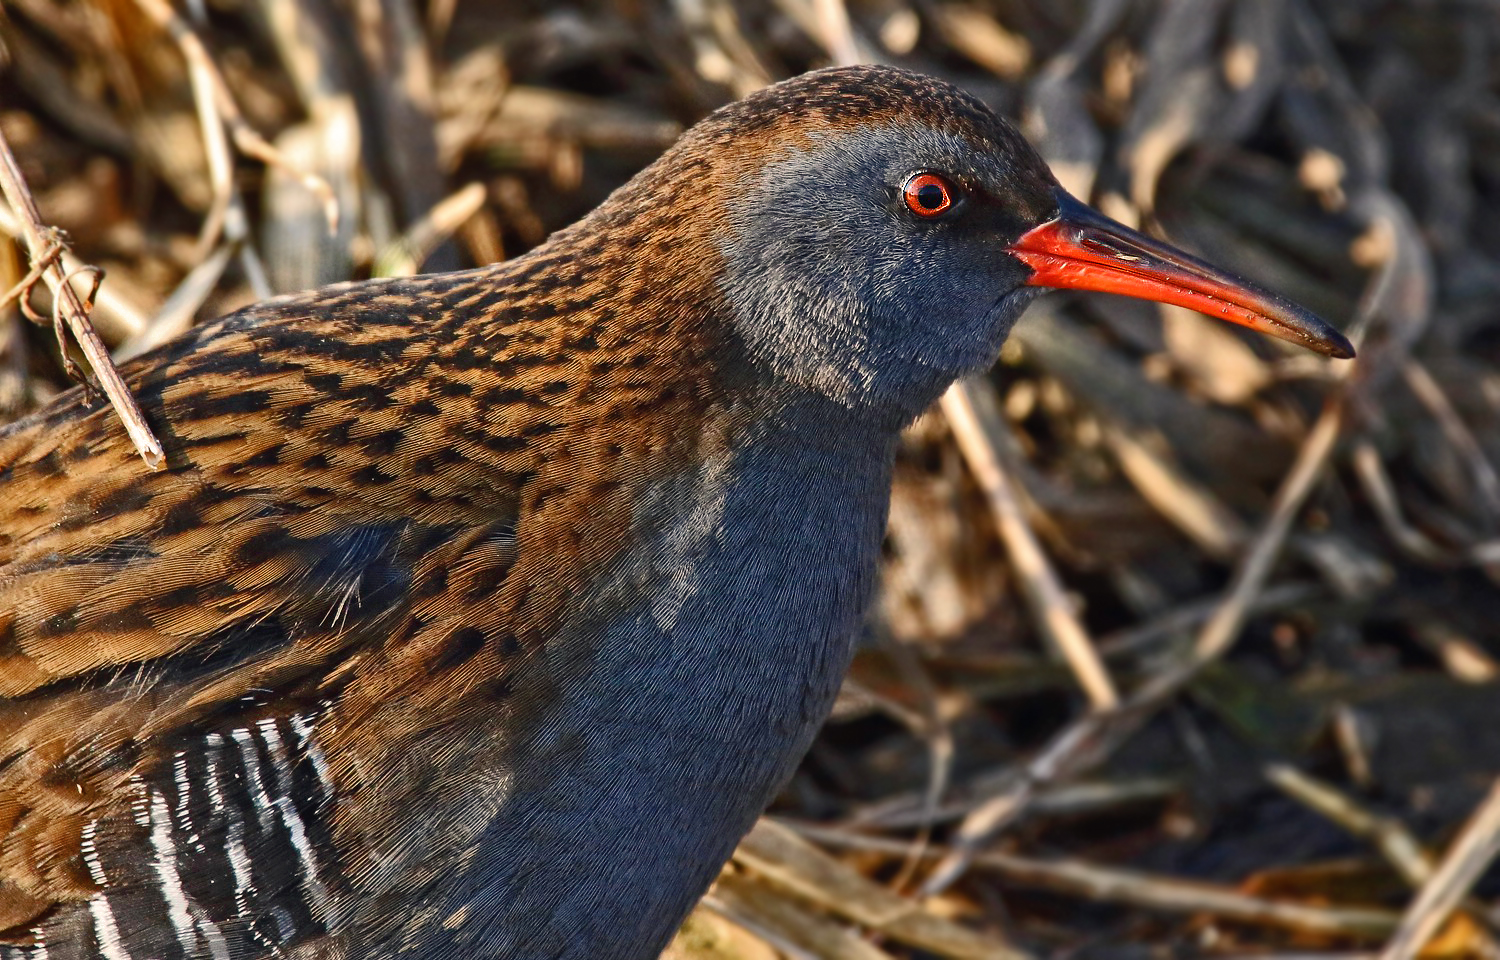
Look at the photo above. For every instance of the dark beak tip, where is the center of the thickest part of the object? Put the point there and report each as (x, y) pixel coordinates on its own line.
(1340, 348)
(1314, 333)
(1307, 329)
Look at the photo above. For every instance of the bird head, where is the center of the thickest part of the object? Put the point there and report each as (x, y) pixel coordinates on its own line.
(878, 232)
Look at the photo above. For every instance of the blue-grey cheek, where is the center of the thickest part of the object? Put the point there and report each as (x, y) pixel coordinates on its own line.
(952, 307)
(799, 277)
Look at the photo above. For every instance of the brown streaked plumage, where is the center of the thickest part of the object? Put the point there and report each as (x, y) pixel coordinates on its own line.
(434, 413)
(480, 613)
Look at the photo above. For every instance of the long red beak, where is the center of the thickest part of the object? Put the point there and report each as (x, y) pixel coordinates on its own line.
(1084, 250)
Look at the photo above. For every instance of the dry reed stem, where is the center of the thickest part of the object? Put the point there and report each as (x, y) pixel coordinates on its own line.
(38, 242)
(1476, 847)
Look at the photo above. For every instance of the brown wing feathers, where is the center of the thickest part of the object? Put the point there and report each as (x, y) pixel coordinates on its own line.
(378, 499)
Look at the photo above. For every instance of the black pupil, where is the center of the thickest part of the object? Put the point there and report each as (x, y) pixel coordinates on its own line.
(930, 196)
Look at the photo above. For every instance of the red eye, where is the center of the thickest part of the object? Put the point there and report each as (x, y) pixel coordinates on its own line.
(928, 195)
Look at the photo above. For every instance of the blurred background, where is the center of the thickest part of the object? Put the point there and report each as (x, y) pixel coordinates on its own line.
(1187, 643)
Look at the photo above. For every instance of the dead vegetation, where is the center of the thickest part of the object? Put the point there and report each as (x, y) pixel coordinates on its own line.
(1188, 642)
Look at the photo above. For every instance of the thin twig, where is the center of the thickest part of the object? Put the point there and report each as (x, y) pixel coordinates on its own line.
(38, 241)
(403, 256)
(1250, 576)
(60, 323)
(1080, 746)
(116, 316)
(932, 727)
(794, 931)
(1112, 885)
(790, 862)
(226, 215)
(22, 290)
(1400, 849)
(1470, 855)
(217, 111)
(905, 810)
(215, 142)
(1382, 495)
(971, 414)
(1186, 504)
(1431, 395)
(1195, 613)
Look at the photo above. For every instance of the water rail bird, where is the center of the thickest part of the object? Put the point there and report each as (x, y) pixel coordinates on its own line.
(480, 614)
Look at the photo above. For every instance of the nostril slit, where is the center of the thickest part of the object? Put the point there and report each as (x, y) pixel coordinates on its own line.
(1108, 245)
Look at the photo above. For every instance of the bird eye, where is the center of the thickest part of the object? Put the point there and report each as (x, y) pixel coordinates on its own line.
(928, 195)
